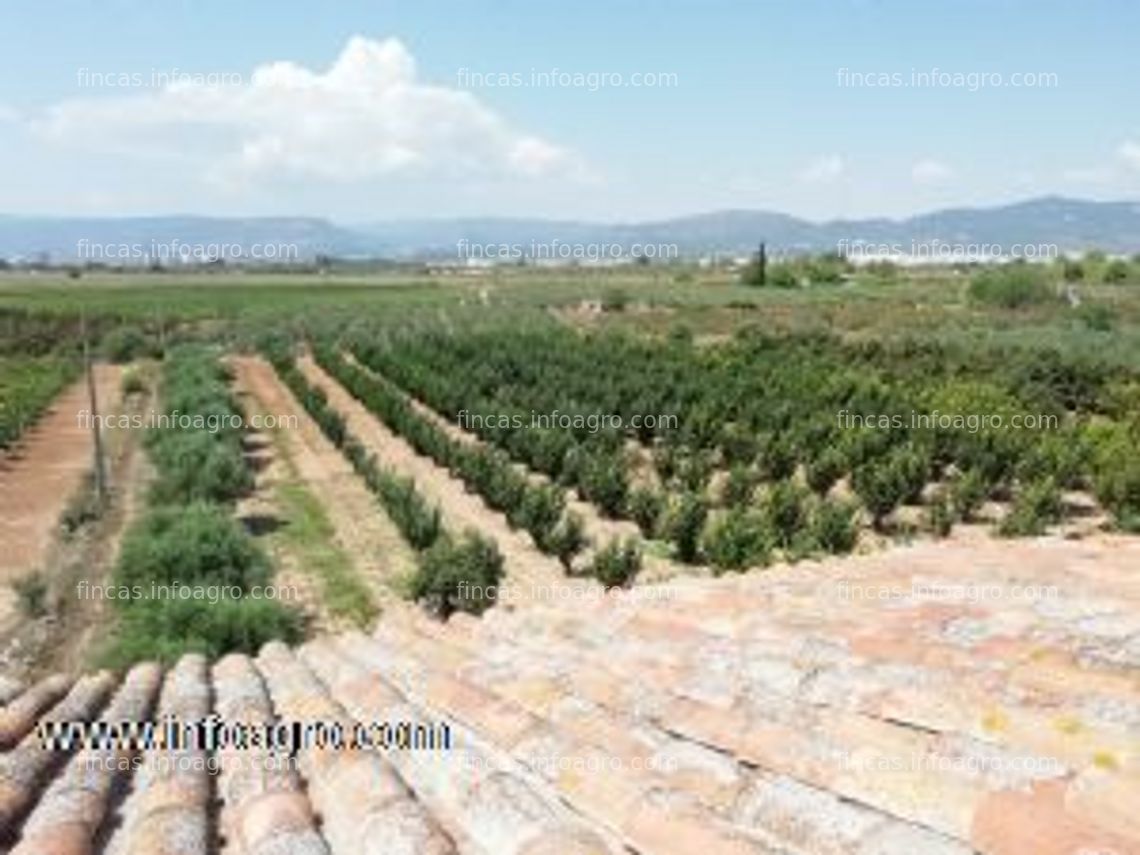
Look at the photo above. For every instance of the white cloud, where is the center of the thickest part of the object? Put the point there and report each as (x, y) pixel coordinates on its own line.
(930, 172)
(7, 114)
(1127, 161)
(823, 170)
(1129, 152)
(367, 116)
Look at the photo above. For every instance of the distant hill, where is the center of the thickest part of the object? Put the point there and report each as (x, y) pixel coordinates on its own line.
(1072, 225)
(171, 237)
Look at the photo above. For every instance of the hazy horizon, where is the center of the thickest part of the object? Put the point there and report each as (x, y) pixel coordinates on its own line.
(507, 217)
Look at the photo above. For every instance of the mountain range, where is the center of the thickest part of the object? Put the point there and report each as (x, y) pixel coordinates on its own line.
(1071, 225)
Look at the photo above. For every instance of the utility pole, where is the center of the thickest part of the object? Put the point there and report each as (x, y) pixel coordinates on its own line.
(96, 432)
(161, 332)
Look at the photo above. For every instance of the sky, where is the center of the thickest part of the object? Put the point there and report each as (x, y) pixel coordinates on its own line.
(614, 110)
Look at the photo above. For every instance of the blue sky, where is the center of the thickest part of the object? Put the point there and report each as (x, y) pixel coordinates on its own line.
(366, 110)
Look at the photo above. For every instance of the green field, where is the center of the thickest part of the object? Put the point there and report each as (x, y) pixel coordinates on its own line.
(785, 417)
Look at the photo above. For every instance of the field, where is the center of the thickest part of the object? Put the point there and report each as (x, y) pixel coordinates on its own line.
(27, 386)
(726, 425)
(460, 464)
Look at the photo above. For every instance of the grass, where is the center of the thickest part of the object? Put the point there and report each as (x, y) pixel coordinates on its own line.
(905, 314)
(32, 592)
(308, 533)
(931, 304)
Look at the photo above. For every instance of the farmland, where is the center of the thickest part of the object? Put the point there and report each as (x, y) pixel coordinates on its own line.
(452, 454)
(744, 427)
(27, 386)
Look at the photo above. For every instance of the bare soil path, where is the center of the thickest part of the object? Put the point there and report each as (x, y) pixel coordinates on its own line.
(69, 635)
(380, 556)
(44, 471)
(527, 569)
(262, 515)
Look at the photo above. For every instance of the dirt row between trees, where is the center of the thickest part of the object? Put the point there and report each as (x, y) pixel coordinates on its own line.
(379, 555)
(599, 528)
(261, 514)
(528, 572)
(45, 469)
(68, 634)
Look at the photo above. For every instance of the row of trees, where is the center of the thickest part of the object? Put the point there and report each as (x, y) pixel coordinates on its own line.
(804, 271)
(539, 509)
(418, 521)
(188, 536)
(198, 464)
(789, 521)
(1097, 267)
(502, 398)
(453, 573)
(27, 387)
(833, 268)
(597, 465)
(764, 409)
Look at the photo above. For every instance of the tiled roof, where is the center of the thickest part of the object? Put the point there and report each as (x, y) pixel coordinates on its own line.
(772, 713)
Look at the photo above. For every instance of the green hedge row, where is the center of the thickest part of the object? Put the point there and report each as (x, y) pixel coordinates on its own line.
(536, 508)
(188, 539)
(27, 387)
(197, 449)
(452, 573)
(765, 407)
